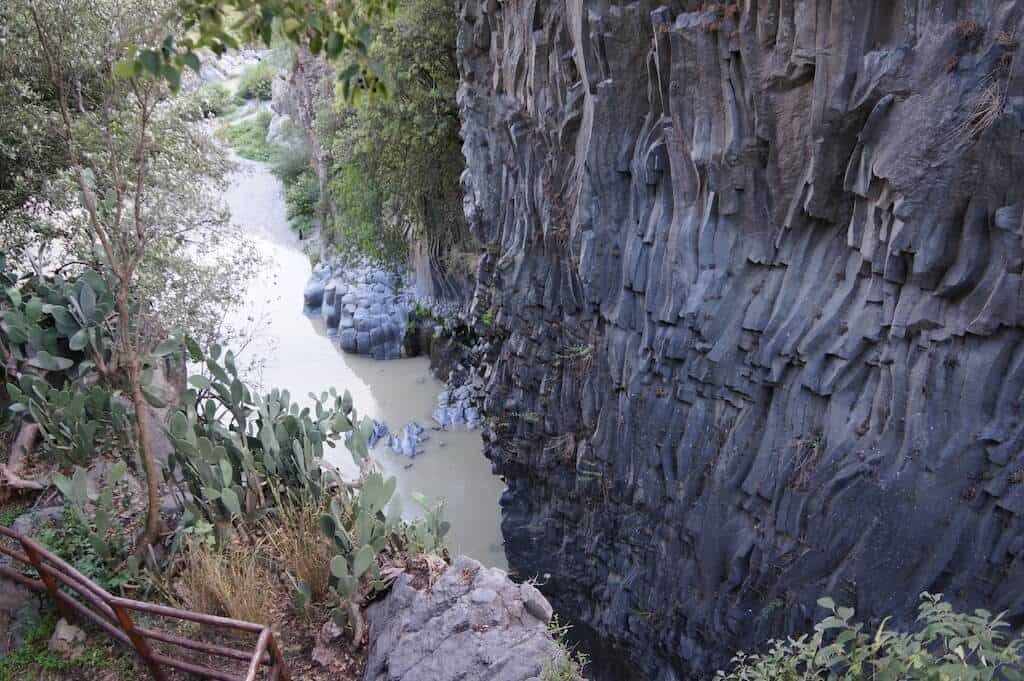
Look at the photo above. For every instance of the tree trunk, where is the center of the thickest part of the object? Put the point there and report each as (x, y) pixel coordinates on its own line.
(149, 462)
(10, 474)
(133, 364)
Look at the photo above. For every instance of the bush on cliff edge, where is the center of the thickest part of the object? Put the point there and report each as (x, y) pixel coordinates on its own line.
(947, 645)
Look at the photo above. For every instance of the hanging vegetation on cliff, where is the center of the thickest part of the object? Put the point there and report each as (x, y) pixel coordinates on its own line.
(397, 160)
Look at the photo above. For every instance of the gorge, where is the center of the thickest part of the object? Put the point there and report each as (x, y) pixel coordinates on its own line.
(296, 354)
(704, 319)
(757, 269)
(749, 286)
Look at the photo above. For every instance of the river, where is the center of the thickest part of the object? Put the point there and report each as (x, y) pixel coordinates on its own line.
(296, 355)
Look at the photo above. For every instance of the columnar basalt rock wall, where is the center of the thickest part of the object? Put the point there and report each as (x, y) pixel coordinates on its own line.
(756, 275)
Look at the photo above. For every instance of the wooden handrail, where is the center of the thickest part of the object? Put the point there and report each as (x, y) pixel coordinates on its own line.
(112, 614)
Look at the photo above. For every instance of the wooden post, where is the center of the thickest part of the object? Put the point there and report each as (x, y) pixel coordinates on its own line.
(277, 659)
(48, 580)
(139, 642)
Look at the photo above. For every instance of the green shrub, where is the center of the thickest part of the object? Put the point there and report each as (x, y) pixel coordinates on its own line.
(255, 81)
(249, 138)
(399, 159)
(75, 422)
(291, 162)
(302, 197)
(360, 227)
(211, 100)
(946, 645)
(75, 542)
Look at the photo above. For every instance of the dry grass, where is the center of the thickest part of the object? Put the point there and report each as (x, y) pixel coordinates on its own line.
(1007, 39)
(301, 548)
(968, 29)
(987, 106)
(230, 582)
(986, 109)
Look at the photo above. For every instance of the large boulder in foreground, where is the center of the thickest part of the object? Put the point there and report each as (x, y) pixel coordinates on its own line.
(472, 623)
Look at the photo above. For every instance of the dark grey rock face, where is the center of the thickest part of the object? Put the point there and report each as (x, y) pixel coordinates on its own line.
(757, 270)
(458, 406)
(472, 624)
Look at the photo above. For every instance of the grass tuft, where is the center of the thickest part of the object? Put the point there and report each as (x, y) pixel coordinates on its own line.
(301, 547)
(568, 663)
(231, 582)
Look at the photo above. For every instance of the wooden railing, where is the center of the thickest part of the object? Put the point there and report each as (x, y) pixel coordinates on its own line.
(113, 615)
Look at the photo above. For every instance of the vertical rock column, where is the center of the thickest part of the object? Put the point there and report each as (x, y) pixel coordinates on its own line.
(755, 269)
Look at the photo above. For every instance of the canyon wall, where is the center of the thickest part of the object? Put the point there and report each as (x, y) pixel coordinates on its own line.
(755, 274)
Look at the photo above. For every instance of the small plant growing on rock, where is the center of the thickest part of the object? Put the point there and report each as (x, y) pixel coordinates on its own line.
(969, 30)
(1007, 40)
(568, 664)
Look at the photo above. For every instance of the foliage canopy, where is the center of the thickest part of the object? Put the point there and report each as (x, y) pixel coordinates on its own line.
(398, 160)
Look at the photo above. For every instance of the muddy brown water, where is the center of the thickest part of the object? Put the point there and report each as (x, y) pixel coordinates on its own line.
(294, 353)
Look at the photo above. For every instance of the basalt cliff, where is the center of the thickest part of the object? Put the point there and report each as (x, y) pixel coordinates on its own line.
(755, 276)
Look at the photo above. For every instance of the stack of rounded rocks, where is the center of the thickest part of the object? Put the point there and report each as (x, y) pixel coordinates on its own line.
(365, 307)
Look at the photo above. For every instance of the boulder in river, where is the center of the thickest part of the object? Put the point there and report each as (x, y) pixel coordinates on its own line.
(458, 407)
(379, 432)
(366, 307)
(406, 441)
(313, 295)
